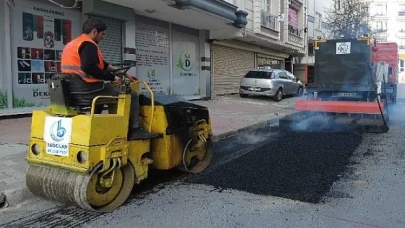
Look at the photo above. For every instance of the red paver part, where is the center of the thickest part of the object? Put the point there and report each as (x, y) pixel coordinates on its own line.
(338, 106)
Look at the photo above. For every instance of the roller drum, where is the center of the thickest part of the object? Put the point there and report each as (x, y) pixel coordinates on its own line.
(79, 189)
(58, 185)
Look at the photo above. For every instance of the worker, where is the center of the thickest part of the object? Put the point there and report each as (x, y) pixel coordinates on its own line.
(83, 56)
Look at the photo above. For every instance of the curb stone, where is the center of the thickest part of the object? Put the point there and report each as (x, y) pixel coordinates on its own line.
(16, 193)
(259, 125)
(12, 197)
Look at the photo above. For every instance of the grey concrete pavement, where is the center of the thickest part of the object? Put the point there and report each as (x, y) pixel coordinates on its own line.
(12, 172)
(15, 131)
(229, 114)
(369, 195)
(232, 113)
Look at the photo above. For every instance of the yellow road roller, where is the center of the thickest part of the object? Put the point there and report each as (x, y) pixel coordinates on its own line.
(81, 156)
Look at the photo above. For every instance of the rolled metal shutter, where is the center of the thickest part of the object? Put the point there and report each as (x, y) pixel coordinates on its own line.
(230, 65)
(111, 46)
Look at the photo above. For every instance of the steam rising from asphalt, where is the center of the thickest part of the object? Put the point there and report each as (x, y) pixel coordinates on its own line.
(255, 138)
(314, 123)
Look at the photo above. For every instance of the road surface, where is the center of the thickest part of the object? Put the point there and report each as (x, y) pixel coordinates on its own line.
(263, 178)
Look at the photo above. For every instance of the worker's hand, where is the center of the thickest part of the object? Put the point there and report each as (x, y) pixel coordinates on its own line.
(117, 80)
(131, 77)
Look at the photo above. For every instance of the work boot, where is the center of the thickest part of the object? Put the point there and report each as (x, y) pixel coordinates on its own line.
(139, 133)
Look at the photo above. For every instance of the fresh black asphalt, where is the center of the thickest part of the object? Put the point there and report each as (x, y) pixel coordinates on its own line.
(298, 166)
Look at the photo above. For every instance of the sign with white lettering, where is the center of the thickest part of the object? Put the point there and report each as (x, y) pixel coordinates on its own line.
(40, 31)
(57, 135)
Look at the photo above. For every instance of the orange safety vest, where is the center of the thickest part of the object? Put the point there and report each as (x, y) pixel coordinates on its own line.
(70, 62)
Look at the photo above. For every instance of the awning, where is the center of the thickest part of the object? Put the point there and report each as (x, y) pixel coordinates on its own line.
(198, 14)
(248, 36)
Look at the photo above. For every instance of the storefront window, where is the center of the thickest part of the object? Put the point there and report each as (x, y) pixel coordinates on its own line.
(186, 61)
(268, 63)
(39, 34)
(153, 57)
(152, 50)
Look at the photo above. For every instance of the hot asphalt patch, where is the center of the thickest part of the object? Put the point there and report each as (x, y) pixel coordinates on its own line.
(297, 166)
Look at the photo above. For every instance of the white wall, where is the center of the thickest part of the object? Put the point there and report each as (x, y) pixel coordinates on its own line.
(393, 24)
(5, 63)
(230, 1)
(248, 7)
(2, 37)
(3, 71)
(245, 5)
(129, 41)
(313, 7)
(311, 13)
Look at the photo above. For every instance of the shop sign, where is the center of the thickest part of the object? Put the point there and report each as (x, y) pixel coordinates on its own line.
(37, 93)
(186, 70)
(152, 57)
(153, 81)
(39, 34)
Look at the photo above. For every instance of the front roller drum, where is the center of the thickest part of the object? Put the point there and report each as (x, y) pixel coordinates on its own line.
(85, 191)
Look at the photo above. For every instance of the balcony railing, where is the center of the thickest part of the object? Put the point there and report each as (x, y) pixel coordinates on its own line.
(268, 20)
(295, 35)
(294, 31)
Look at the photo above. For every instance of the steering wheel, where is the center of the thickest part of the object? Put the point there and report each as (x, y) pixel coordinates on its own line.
(125, 82)
(123, 70)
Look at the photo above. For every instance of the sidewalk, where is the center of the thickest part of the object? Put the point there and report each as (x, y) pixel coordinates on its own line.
(229, 115)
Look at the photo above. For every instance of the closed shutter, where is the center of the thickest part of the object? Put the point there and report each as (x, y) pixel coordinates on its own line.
(230, 65)
(111, 46)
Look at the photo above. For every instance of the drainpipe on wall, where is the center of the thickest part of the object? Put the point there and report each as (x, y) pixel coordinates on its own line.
(305, 28)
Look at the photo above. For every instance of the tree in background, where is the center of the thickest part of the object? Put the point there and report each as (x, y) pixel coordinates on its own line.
(350, 19)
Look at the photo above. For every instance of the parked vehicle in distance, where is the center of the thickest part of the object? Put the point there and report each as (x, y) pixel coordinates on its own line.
(270, 82)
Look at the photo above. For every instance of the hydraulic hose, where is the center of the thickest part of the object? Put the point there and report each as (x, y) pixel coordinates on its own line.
(375, 90)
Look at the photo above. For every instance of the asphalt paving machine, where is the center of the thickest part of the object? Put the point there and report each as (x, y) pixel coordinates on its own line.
(351, 91)
(80, 156)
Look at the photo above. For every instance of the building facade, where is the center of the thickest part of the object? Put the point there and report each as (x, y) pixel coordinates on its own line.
(273, 36)
(316, 11)
(194, 49)
(389, 16)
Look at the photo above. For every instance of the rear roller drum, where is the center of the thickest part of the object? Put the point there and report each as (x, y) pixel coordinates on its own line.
(96, 192)
(196, 157)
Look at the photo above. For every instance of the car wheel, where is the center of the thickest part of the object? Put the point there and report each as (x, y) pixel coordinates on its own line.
(300, 91)
(279, 95)
(243, 95)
